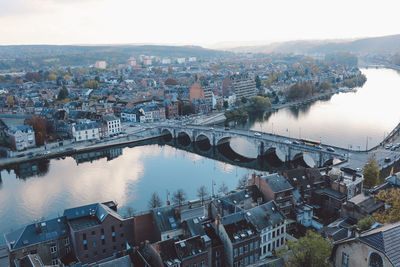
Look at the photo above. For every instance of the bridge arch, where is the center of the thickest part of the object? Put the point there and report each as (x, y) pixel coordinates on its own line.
(203, 142)
(184, 138)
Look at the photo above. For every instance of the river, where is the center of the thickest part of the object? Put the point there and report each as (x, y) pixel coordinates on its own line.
(132, 174)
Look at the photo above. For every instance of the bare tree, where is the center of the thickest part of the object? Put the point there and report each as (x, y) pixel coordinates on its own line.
(155, 201)
(223, 188)
(242, 183)
(130, 212)
(202, 193)
(179, 196)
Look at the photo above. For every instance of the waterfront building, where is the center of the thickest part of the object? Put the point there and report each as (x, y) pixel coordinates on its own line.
(48, 240)
(243, 86)
(85, 131)
(113, 124)
(21, 137)
(97, 231)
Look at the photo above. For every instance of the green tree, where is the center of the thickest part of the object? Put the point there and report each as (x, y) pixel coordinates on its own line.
(226, 104)
(371, 173)
(63, 94)
(155, 201)
(243, 100)
(260, 103)
(312, 250)
(187, 109)
(365, 223)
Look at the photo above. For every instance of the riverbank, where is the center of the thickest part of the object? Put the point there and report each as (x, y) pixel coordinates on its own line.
(79, 147)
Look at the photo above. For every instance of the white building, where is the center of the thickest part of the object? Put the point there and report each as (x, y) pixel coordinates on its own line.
(113, 124)
(166, 61)
(21, 137)
(271, 225)
(128, 114)
(180, 60)
(192, 59)
(85, 131)
(100, 65)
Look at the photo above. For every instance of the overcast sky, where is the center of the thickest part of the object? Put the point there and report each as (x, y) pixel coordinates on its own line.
(204, 22)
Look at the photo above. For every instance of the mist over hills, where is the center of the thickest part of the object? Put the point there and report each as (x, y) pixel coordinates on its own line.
(384, 44)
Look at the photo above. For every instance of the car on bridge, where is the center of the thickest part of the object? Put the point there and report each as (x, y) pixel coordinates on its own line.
(257, 134)
(387, 159)
(330, 149)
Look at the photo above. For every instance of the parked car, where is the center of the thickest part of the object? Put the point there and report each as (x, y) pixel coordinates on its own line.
(257, 134)
(227, 128)
(387, 159)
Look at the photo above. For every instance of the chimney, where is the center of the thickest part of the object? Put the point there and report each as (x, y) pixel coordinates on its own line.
(37, 226)
(267, 216)
(168, 203)
(217, 222)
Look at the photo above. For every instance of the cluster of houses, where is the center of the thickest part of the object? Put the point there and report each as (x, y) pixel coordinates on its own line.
(244, 227)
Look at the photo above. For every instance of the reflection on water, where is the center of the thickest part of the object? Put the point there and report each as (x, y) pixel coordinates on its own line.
(126, 175)
(355, 119)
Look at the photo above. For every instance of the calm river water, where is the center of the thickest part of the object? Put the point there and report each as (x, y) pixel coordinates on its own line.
(129, 179)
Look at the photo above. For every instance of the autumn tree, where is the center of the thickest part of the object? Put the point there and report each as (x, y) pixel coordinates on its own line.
(366, 223)
(93, 84)
(371, 173)
(312, 250)
(52, 77)
(260, 103)
(155, 201)
(202, 192)
(391, 198)
(38, 124)
(179, 196)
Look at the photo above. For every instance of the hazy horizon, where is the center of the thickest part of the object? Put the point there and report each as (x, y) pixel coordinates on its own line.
(207, 23)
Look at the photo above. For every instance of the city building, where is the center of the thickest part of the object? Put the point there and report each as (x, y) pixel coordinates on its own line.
(97, 231)
(196, 92)
(85, 131)
(21, 137)
(376, 248)
(113, 124)
(49, 240)
(243, 86)
(100, 65)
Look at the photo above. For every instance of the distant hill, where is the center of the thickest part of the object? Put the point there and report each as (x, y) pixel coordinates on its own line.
(21, 56)
(384, 44)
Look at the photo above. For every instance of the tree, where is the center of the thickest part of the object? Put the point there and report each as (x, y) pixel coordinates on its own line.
(260, 103)
(371, 173)
(391, 198)
(187, 108)
(258, 81)
(202, 192)
(63, 94)
(91, 84)
(242, 182)
(223, 188)
(10, 101)
(365, 223)
(312, 250)
(226, 104)
(218, 107)
(179, 196)
(52, 77)
(243, 100)
(155, 201)
(39, 127)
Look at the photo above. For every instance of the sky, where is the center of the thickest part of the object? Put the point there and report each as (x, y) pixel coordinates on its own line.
(206, 22)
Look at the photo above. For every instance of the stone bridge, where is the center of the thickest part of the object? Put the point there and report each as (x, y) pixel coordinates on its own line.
(286, 149)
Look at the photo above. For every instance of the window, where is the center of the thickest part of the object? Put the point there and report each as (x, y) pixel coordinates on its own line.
(235, 251)
(54, 262)
(246, 261)
(256, 244)
(112, 228)
(67, 250)
(277, 243)
(66, 241)
(102, 231)
(95, 253)
(282, 241)
(113, 239)
(269, 247)
(273, 234)
(94, 244)
(251, 259)
(121, 225)
(93, 232)
(84, 236)
(246, 248)
(277, 233)
(240, 250)
(53, 249)
(103, 242)
(122, 235)
(375, 260)
(217, 253)
(251, 246)
(345, 259)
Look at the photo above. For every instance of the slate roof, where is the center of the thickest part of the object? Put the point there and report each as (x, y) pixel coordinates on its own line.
(277, 183)
(330, 192)
(86, 126)
(28, 235)
(258, 215)
(166, 218)
(87, 216)
(385, 239)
